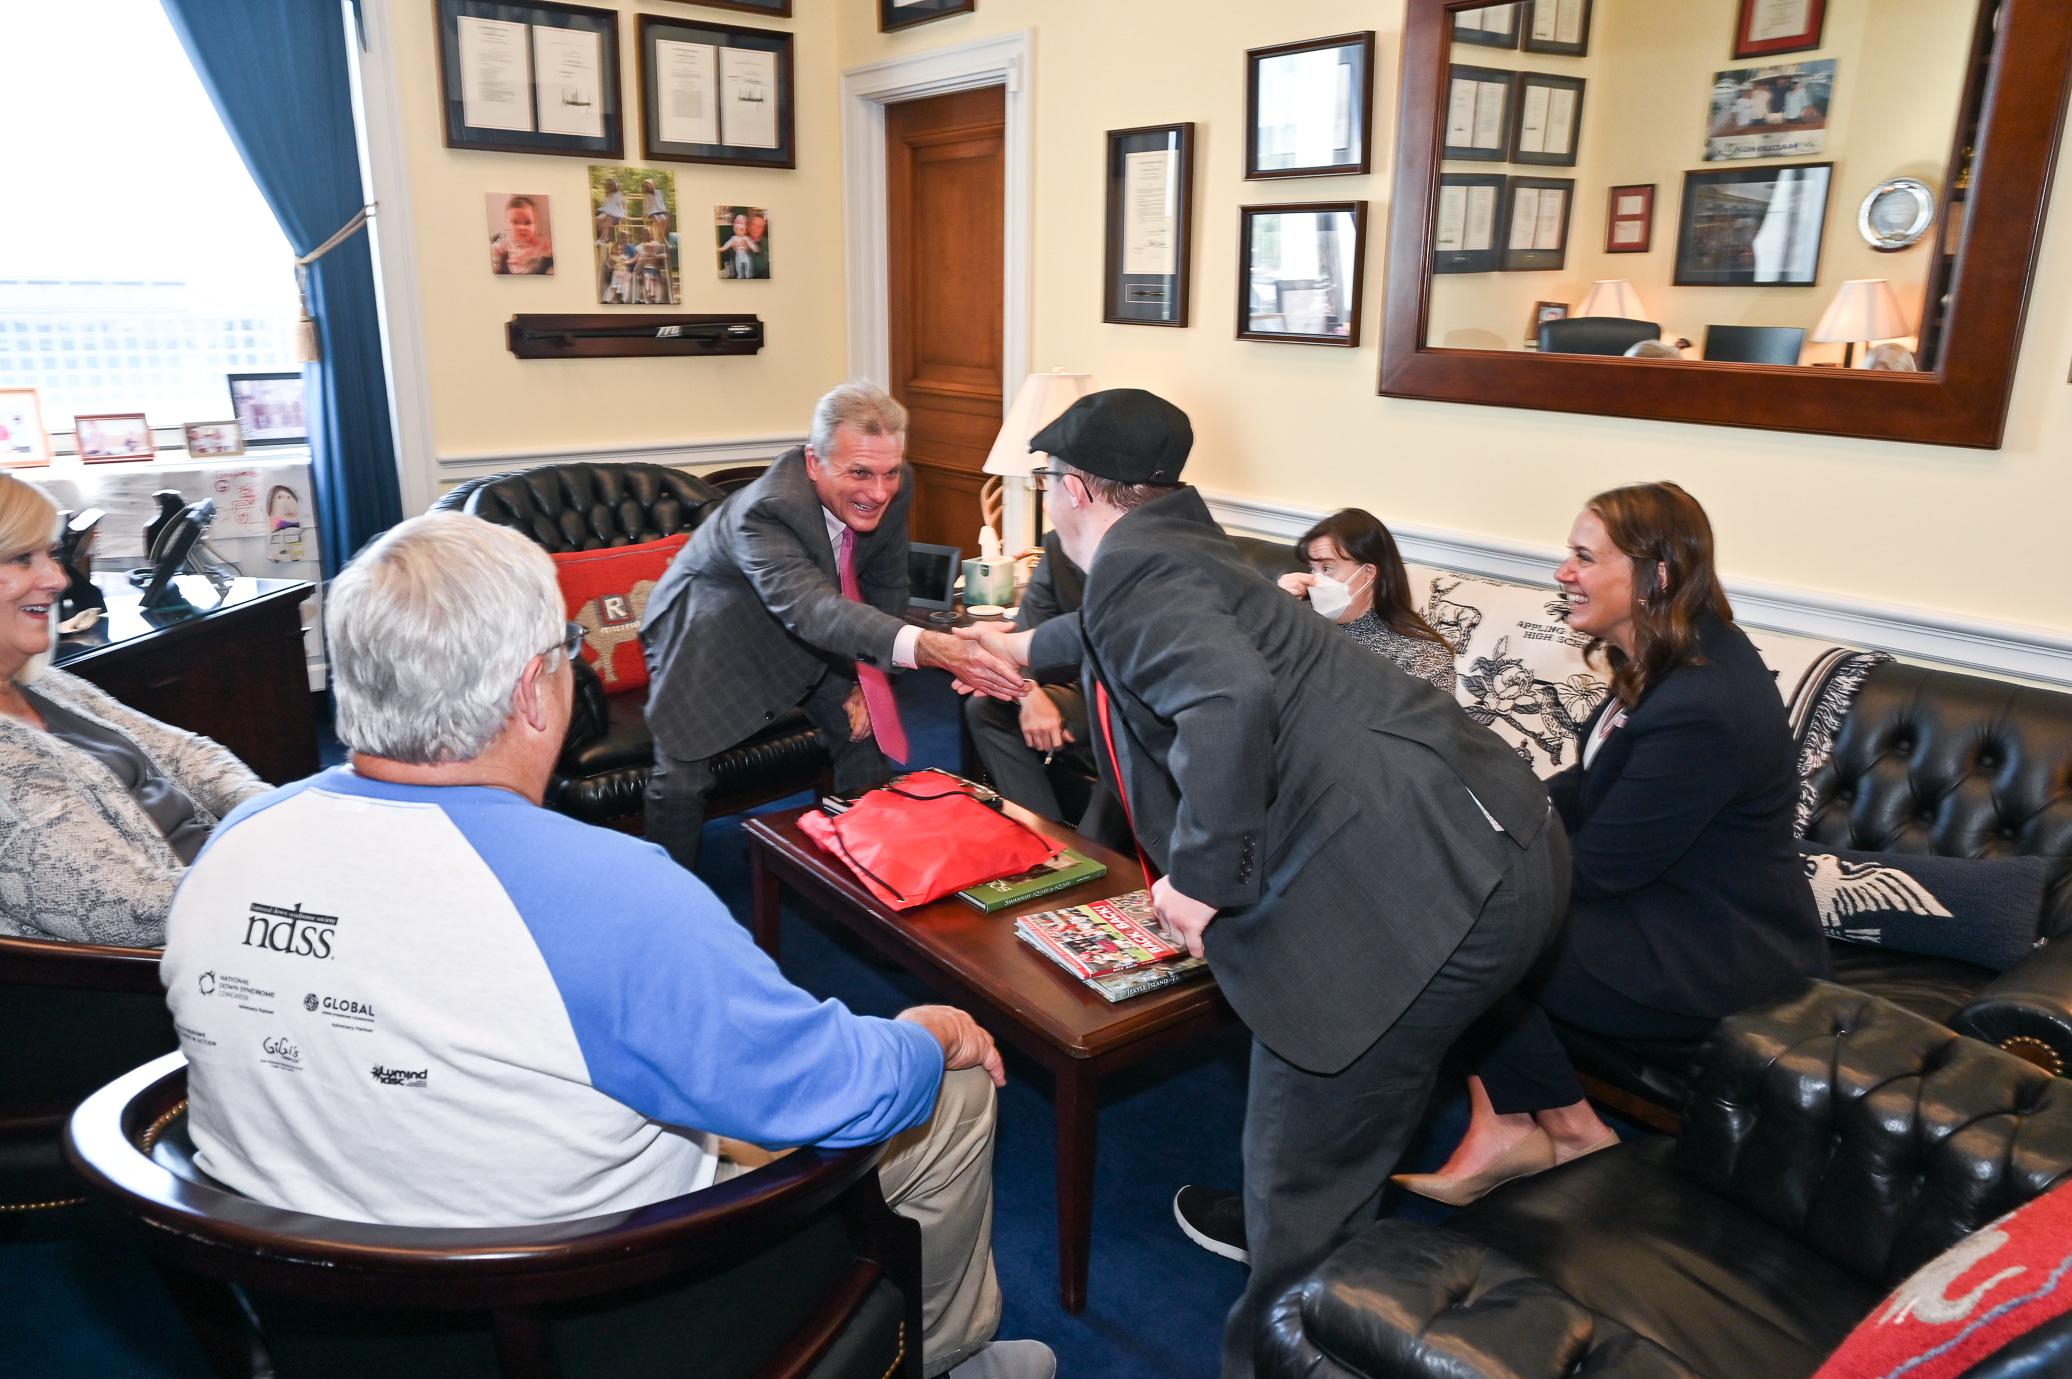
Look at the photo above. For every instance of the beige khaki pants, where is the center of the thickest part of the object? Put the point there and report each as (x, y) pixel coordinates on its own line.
(938, 1175)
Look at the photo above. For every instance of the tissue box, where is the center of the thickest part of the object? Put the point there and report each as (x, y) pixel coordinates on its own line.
(988, 581)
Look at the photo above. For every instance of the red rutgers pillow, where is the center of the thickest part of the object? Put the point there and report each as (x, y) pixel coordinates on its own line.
(607, 591)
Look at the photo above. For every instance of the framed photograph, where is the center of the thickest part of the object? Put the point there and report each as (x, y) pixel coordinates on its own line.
(904, 14)
(1309, 107)
(114, 436)
(530, 78)
(743, 236)
(1478, 113)
(206, 439)
(1629, 219)
(1536, 223)
(716, 93)
(1748, 227)
(1769, 112)
(1547, 115)
(776, 9)
(24, 444)
(1464, 234)
(1556, 26)
(521, 233)
(1543, 312)
(269, 408)
(634, 243)
(1299, 271)
(1767, 28)
(1493, 26)
(1149, 225)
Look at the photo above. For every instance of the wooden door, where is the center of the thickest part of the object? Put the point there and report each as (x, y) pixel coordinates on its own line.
(945, 169)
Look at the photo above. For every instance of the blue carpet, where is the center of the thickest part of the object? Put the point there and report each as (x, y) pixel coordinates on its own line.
(92, 1307)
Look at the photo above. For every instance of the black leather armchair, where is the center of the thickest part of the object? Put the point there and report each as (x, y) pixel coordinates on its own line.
(605, 763)
(1595, 335)
(797, 1270)
(1832, 1145)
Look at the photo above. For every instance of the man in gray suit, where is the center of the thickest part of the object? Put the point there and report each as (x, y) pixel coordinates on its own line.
(792, 595)
(1366, 870)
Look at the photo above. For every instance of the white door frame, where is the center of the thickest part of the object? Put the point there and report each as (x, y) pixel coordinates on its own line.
(1001, 61)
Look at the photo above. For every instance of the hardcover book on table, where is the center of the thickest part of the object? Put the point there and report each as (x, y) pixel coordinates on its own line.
(1058, 873)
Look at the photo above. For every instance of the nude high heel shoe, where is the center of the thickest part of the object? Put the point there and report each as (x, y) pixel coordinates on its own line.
(1533, 1154)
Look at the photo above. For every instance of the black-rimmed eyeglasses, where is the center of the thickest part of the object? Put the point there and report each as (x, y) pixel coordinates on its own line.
(572, 634)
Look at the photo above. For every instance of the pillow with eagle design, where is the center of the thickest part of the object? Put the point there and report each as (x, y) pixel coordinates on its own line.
(1983, 911)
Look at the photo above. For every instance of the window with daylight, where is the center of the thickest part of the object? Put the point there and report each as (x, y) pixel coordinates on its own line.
(138, 264)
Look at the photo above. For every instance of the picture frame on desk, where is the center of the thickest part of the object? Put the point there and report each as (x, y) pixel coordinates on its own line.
(530, 78)
(269, 407)
(1543, 312)
(717, 93)
(24, 440)
(1309, 107)
(1149, 226)
(113, 437)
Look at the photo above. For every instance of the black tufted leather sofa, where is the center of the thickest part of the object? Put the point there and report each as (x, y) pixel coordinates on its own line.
(1832, 1145)
(605, 762)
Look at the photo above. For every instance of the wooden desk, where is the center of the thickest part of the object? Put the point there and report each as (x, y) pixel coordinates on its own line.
(1025, 1000)
(229, 667)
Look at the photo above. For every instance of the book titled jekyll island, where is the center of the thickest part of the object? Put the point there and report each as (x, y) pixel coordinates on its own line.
(1113, 945)
(1058, 873)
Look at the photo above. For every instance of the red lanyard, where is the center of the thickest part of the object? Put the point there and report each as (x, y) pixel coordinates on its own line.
(1151, 873)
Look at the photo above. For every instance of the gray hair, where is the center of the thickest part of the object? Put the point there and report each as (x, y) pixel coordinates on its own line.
(1890, 358)
(429, 629)
(860, 404)
(1654, 349)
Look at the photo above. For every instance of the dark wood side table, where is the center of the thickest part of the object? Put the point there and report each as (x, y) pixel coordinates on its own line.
(230, 666)
(974, 961)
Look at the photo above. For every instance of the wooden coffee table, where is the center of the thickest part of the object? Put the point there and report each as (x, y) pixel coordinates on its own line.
(974, 961)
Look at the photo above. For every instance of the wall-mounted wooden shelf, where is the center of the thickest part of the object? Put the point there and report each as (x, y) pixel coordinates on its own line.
(606, 336)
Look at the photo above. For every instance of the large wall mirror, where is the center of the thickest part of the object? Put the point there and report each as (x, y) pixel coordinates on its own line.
(1721, 210)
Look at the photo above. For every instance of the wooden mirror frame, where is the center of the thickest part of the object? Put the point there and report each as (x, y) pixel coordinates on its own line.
(2018, 84)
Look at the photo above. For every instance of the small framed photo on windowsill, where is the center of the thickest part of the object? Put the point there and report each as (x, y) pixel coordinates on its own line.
(269, 408)
(209, 439)
(24, 444)
(111, 437)
(1299, 272)
(1308, 107)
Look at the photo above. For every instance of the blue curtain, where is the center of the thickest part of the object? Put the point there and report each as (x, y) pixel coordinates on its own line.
(276, 71)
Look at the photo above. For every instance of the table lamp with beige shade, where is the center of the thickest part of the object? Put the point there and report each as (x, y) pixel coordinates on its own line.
(1863, 309)
(1042, 399)
(1613, 297)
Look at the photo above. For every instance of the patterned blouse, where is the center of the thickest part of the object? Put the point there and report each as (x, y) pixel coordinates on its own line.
(1428, 661)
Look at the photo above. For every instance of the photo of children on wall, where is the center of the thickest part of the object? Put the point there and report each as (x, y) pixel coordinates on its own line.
(1770, 112)
(633, 224)
(743, 235)
(521, 237)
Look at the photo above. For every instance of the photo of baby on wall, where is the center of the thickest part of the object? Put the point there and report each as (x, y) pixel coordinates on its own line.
(521, 237)
(633, 224)
(743, 235)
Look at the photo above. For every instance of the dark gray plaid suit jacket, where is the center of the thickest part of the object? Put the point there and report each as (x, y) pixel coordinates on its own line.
(750, 616)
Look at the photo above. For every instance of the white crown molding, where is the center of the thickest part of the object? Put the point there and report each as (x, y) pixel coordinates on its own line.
(1003, 61)
(690, 455)
(2019, 650)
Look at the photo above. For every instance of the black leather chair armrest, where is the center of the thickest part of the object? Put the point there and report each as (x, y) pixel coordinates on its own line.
(1406, 1300)
(2027, 1009)
(589, 718)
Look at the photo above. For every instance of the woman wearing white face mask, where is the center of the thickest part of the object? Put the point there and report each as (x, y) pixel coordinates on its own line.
(1357, 580)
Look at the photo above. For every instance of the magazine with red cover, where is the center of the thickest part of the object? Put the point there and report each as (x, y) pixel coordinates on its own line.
(1101, 937)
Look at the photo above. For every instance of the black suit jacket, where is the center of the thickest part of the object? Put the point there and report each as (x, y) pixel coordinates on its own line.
(1058, 587)
(1309, 789)
(1689, 895)
(750, 615)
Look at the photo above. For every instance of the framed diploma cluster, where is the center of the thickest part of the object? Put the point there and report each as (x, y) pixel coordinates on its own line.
(1494, 26)
(715, 93)
(904, 14)
(530, 78)
(1478, 112)
(1150, 178)
(1470, 210)
(1536, 223)
(1309, 107)
(1299, 271)
(1548, 116)
(1494, 115)
(1768, 27)
(1556, 26)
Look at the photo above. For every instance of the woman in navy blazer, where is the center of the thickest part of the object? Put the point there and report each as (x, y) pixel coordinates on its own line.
(1688, 900)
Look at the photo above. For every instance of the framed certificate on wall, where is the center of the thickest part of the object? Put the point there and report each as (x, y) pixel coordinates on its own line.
(1464, 233)
(1478, 113)
(1765, 28)
(716, 93)
(1535, 228)
(536, 78)
(1150, 231)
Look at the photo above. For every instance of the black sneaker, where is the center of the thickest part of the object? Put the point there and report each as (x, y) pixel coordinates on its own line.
(1214, 1220)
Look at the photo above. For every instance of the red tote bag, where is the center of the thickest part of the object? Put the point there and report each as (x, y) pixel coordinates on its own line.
(910, 845)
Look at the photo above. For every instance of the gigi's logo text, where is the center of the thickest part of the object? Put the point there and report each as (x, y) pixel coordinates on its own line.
(290, 931)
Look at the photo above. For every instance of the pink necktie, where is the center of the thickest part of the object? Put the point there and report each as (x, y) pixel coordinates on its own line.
(877, 686)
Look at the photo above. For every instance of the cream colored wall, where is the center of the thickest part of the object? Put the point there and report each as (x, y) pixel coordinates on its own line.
(1965, 531)
(485, 401)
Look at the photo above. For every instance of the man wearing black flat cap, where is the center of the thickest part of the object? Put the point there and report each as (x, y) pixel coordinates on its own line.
(1366, 870)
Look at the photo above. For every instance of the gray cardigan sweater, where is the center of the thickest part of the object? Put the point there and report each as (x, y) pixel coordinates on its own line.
(79, 858)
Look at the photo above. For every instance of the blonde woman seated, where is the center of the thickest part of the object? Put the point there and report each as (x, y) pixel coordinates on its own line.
(101, 808)
(1356, 578)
